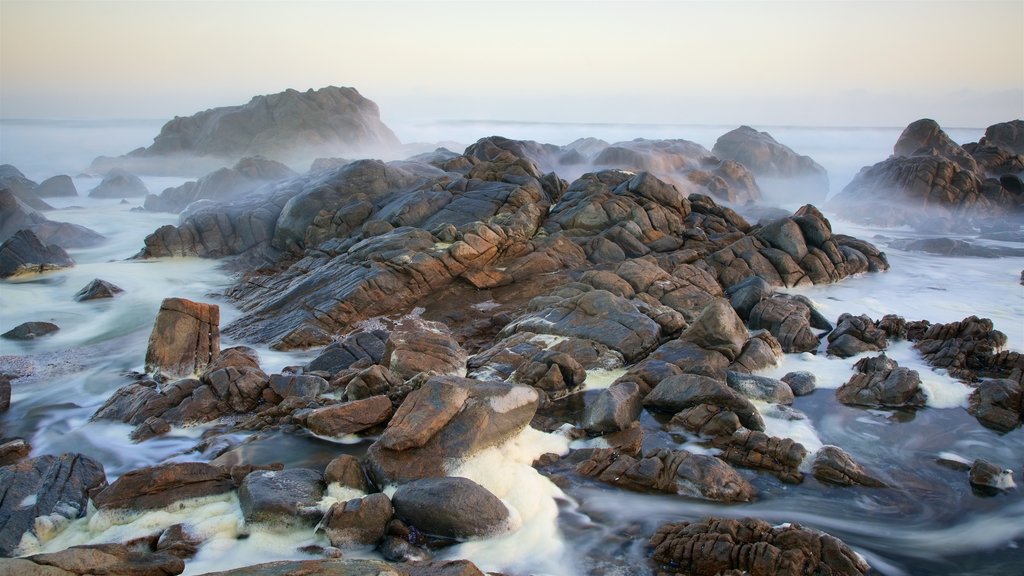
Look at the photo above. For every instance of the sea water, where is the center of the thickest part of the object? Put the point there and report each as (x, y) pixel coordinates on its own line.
(930, 522)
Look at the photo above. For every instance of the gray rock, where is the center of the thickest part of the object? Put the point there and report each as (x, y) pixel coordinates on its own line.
(349, 417)
(96, 290)
(788, 319)
(224, 184)
(451, 507)
(12, 180)
(30, 330)
(304, 385)
(368, 344)
(57, 186)
(615, 408)
(682, 391)
(801, 383)
(356, 567)
(119, 184)
(5, 392)
(282, 499)
(23, 253)
(998, 404)
(770, 161)
(880, 382)
(718, 328)
(987, 479)
(760, 388)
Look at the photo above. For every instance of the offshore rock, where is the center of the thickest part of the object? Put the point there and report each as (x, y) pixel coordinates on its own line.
(447, 418)
(832, 465)
(672, 471)
(23, 253)
(60, 186)
(881, 383)
(40, 496)
(716, 546)
(451, 507)
(988, 479)
(185, 338)
(96, 290)
(30, 330)
(119, 184)
(854, 335)
(224, 184)
(160, 486)
(778, 168)
(16, 215)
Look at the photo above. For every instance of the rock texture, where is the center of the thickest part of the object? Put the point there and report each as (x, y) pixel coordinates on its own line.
(880, 382)
(97, 289)
(185, 338)
(457, 508)
(356, 567)
(160, 486)
(106, 559)
(23, 253)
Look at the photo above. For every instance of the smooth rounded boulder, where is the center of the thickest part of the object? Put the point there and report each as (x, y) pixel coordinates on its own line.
(451, 507)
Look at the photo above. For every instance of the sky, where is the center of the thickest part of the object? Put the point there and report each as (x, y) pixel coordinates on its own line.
(823, 63)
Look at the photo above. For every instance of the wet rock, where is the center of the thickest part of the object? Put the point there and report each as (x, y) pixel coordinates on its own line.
(676, 357)
(15, 214)
(998, 404)
(373, 381)
(615, 408)
(760, 388)
(297, 385)
(150, 428)
(160, 486)
(283, 499)
(30, 330)
(801, 382)
(360, 344)
(356, 567)
(40, 496)
(752, 449)
(178, 541)
(5, 392)
(833, 465)
(683, 391)
(721, 546)
(60, 186)
(719, 329)
(349, 417)
(13, 450)
(552, 373)
(451, 507)
(97, 289)
(447, 418)
(987, 479)
(672, 471)
(789, 320)
(746, 294)
(760, 352)
(967, 349)
(597, 315)
(769, 160)
(118, 183)
(23, 253)
(346, 470)
(881, 383)
(358, 522)
(707, 420)
(854, 335)
(416, 345)
(107, 559)
(185, 338)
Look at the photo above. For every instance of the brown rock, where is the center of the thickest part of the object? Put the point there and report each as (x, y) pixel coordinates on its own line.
(349, 417)
(106, 559)
(751, 449)
(185, 338)
(832, 465)
(159, 486)
(358, 522)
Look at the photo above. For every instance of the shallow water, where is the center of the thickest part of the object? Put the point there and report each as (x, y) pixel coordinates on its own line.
(932, 523)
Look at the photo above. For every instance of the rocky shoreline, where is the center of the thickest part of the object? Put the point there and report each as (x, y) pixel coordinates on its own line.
(464, 302)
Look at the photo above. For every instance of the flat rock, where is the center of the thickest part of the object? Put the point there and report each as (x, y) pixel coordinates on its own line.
(160, 486)
(106, 559)
(451, 507)
(753, 449)
(30, 330)
(349, 417)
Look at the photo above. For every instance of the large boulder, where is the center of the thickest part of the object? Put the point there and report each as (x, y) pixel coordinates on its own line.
(718, 328)
(160, 486)
(282, 499)
(451, 507)
(419, 346)
(23, 253)
(60, 186)
(715, 546)
(185, 338)
(349, 417)
(118, 183)
(683, 391)
(779, 170)
(40, 496)
(447, 419)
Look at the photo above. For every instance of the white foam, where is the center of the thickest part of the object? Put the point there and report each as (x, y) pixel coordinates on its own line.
(515, 397)
(600, 379)
(778, 423)
(338, 493)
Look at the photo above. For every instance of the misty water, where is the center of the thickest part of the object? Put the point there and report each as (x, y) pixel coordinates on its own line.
(930, 522)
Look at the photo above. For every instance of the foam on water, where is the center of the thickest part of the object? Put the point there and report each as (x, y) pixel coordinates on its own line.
(600, 379)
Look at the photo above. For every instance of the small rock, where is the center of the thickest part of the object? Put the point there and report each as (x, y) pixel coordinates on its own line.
(614, 408)
(345, 470)
(357, 522)
(760, 388)
(801, 382)
(13, 449)
(987, 479)
(832, 465)
(57, 186)
(97, 289)
(30, 331)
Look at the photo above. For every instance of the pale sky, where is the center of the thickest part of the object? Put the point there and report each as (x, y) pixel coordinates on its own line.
(765, 62)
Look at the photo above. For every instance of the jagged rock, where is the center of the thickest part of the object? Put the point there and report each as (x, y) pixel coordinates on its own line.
(373, 381)
(30, 330)
(232, 384)
(716, 546)
(832, 465)
(349, 417)
(854, 335)
(770, 161)
(760, 388)
(967, 349)
(615, 408)
(752, 449)
(40, 496)
(345, 470)
(761, 351)
(683, 391)
(24, 253)
(358, 522)
(880, 382)
(596, 315)
(97, 289)
(801, 383)
(420, 346)
(707, 420)
(185, 337)
(282, 499)
(789, 320)
(13, 181)
(160, 486)
(988, 479)
(118, 183)
(998, 404)
(718, 328)
(224, 184)
(356, 567)
(676, 357)
(447, 418)
(672, 471)
(107, 559)
(56, 187)
(360, 344)
(451, 507)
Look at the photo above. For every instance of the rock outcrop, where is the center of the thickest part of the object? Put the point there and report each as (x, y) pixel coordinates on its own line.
(781, 172)
(23, 253)
(185, 338)
(222, 185)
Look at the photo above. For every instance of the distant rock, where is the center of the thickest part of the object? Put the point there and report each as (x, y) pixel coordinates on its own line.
(119, 183)
(222, 185)
(97, 289)
(291, 126)
(781, 172)
(23, 253)
(60, 186)
(30, 330)
(23, 189)
(16, 215)
(5, 392)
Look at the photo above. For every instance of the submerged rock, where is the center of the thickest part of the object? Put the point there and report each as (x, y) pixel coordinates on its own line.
(715, 546)
(30, 330)
(23, 253)
(185, 338)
